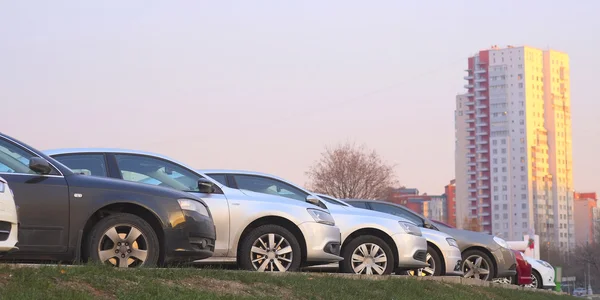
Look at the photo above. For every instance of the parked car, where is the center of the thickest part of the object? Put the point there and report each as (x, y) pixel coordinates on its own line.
(523, 276)
(65, 216)
(484, 256)
(8, 219)
(369, 245)
(542, 274)
(443, 256)
(260, 232)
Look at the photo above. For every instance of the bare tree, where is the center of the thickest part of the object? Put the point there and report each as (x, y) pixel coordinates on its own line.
(472, 224)
(351, 172)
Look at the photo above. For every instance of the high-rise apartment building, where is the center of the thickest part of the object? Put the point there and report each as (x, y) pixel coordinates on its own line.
(587, 215)
(513, 144)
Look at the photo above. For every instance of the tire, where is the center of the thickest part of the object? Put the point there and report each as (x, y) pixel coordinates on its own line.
(360, 249)
(142, 249)
(536, 279)
(472, 256)
(256, 250)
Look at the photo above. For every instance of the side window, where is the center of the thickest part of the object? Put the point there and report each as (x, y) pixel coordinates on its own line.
(87, 164)
(221, 178)
(390, 209)
(149, 170)
(14, 159)
(270, 186)
(359, 204)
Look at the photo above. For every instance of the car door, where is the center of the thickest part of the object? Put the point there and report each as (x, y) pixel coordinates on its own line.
(397, 211)
(157, 171)
(42, 201)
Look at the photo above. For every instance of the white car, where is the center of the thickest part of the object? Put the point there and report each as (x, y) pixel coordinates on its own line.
(542, 274)
(8, 219)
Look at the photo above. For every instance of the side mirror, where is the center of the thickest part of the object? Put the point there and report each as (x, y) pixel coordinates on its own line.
(205, 186)
(313, 200)
(40, 165)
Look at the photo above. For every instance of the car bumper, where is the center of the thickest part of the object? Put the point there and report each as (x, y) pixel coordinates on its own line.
(547, 275)
(190, 240)
(8, 237)
(412, 251)
(322, 242)
(506, 262)
(453, 261)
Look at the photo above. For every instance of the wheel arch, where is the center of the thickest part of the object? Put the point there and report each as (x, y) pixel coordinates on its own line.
(123, 207)
(373, 232)
(275, 220)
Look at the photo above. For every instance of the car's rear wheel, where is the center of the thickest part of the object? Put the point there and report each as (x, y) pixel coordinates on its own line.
(270, 248)
(477, 264)
(435, 265)
(124, 240)
(367, 255)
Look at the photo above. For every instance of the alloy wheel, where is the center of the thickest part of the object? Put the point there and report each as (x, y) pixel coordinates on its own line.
(477, 267)
(272, 253)
(428, 271)
(534, 282)
(503, 280)
(123, 246)
(369, 259)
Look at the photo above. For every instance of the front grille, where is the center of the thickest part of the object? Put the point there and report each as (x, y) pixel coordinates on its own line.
(420, 256)
(4, 230)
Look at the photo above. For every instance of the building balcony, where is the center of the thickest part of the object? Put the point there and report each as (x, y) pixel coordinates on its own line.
(485, 222)
(480, 79)
(480, 106)
(472, 198)
(484, 214)
(482, 160)
(469, 86)
(470, 112)
(480, 97)
(471, 146)
(484, 177)
(472, 190)
(471, 181)
(484, 187)
(470, 155)
(480, 89)
(470, 120)
(481, 124)
(481, 115)
(471, 172)
(469, 77)
(470, 94)
(470, 102)
(484, 196)
(484, 205)
(480, 71)
(471, 137)
(482, 133)
(482, 142)
(471, 164)
(480, 151)
(470, 129)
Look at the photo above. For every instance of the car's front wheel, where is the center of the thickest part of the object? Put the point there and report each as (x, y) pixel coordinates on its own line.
(123, 240)
(536, 281)
(478, 265)
(367, 255)
(435, 265)
(270, 248)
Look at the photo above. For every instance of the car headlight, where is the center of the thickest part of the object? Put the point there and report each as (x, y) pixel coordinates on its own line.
(2, 187)
(410, 228)
(545, 264)
(320, 216)
(452, 242)
(501, 242)
(193, 205)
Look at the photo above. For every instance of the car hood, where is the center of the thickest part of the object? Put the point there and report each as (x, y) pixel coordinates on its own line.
(96, 182)
(274, 198)
(467, 238)
(354, 211)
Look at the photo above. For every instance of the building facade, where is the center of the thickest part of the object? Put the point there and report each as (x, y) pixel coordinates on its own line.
(430, 206)
(450, 198)
(586, 217)
(513, 137)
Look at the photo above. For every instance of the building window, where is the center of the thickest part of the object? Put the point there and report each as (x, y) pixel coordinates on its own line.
(524, 206)
(524, 224)
(503, 150)
(503, 141)
(494, 142)
(505, 206)
(523, 196)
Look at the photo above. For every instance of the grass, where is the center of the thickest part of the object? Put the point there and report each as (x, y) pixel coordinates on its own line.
(99, 282)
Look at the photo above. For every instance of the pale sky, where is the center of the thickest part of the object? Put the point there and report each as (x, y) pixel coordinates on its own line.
(266, 85)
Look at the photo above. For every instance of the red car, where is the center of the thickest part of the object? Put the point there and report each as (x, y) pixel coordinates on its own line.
(523, 276)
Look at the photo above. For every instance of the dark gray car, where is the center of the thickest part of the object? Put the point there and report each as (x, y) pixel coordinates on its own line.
(484, 256)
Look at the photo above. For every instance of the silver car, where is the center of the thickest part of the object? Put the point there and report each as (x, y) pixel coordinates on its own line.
(443, 256)
(258, 231)
(372, 243)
